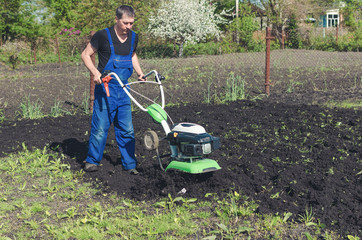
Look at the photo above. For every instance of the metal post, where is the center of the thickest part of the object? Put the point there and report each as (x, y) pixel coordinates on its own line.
(92, 84)
(237, 21)
(237, 8)
(267, 61)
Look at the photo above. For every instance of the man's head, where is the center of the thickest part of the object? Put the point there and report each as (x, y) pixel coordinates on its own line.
(124, 19)
(125, 10)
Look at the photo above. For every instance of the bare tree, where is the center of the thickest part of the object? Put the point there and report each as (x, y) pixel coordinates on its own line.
(280, 11)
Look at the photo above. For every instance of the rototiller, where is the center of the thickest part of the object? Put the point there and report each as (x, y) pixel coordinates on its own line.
(189, 142)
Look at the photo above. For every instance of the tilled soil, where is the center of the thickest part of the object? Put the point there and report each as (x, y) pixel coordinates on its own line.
(286, 157)
(287, 152)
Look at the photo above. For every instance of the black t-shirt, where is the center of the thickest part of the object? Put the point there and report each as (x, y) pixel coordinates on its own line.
(100, 42)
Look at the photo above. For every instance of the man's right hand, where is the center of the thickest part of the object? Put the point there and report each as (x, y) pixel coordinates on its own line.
(97, 78)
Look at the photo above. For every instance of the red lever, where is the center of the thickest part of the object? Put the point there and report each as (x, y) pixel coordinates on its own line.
(106, 80)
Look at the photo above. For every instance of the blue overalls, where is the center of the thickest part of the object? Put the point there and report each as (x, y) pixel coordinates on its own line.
(117, 109)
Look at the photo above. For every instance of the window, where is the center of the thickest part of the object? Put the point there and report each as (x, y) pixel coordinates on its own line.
(332, 20)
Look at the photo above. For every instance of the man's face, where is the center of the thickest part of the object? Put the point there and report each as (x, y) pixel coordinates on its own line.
(124, 24)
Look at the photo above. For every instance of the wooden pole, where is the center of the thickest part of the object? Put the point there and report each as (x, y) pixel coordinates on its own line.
(267, 61)
(92, 84)
(34, 45)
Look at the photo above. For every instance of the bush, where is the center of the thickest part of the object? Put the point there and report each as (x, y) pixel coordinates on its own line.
(209, 48)
(348, 42)
(351, 41)
(294, 40)
(156, 50)
(14, 53)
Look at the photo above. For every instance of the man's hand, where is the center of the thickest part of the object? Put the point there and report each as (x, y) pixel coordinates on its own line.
(142, 77)
(97, 78)
(86, 57)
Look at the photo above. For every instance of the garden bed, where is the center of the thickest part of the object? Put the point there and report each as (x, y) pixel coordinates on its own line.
(288, 152)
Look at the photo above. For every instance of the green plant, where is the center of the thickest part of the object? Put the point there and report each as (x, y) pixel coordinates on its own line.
(85, 103)
(170, 202)
(294, 39)
(208, 48)
(350, 237)
(56, 110)
(2, 115)
(31, 109)
(14, 53)
(235, 88)
(308, 217)
(230, 233)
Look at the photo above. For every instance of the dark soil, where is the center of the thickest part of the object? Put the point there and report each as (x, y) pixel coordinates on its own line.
(284, 152)
(286, 157)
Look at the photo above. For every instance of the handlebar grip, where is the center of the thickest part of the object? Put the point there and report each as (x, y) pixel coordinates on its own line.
(160, 77)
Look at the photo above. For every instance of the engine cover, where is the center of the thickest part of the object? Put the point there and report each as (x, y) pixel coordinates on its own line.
(193, 144)
(189, 128)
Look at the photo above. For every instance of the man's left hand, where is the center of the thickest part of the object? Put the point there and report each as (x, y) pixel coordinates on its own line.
(142, 77)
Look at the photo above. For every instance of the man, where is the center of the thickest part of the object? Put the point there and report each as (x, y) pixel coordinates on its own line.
(116, 47)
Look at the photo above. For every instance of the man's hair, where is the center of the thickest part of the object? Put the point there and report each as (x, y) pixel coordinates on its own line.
(125, 10)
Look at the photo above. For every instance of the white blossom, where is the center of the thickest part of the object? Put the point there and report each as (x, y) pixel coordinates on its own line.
(185, 21)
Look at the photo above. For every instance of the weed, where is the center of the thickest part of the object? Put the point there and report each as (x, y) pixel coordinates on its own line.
(47, 200)
(57, 109)
(170, 202)
(307, 218)
(292, 85)
(85, 103)
(2, 115)
(235, 88)
(350, 237)
(30, 109)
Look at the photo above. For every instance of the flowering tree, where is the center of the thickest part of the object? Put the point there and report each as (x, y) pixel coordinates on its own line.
(187, 21)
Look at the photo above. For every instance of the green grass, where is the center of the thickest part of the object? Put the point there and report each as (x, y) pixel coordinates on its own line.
(353, 104)
(41, 198)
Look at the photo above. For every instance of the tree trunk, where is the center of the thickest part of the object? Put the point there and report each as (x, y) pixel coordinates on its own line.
(181, 49)
(33, 47)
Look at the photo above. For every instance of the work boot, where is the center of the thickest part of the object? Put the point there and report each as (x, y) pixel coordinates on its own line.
(133, 171)
(90, 167)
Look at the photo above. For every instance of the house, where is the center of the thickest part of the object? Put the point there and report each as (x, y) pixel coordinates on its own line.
(332, 17)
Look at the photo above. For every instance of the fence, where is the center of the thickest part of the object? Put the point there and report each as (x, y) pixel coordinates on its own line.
(287, 67)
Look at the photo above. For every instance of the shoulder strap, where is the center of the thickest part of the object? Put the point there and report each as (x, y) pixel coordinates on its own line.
(110, 41)
(133, 40)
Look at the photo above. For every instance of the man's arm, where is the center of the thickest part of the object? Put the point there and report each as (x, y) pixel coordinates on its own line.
(137, 67)
(86, 57)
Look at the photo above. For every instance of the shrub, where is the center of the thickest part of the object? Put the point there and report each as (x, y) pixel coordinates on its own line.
(14, 53)
(294, 39)
(209, 48)
(156, 50)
